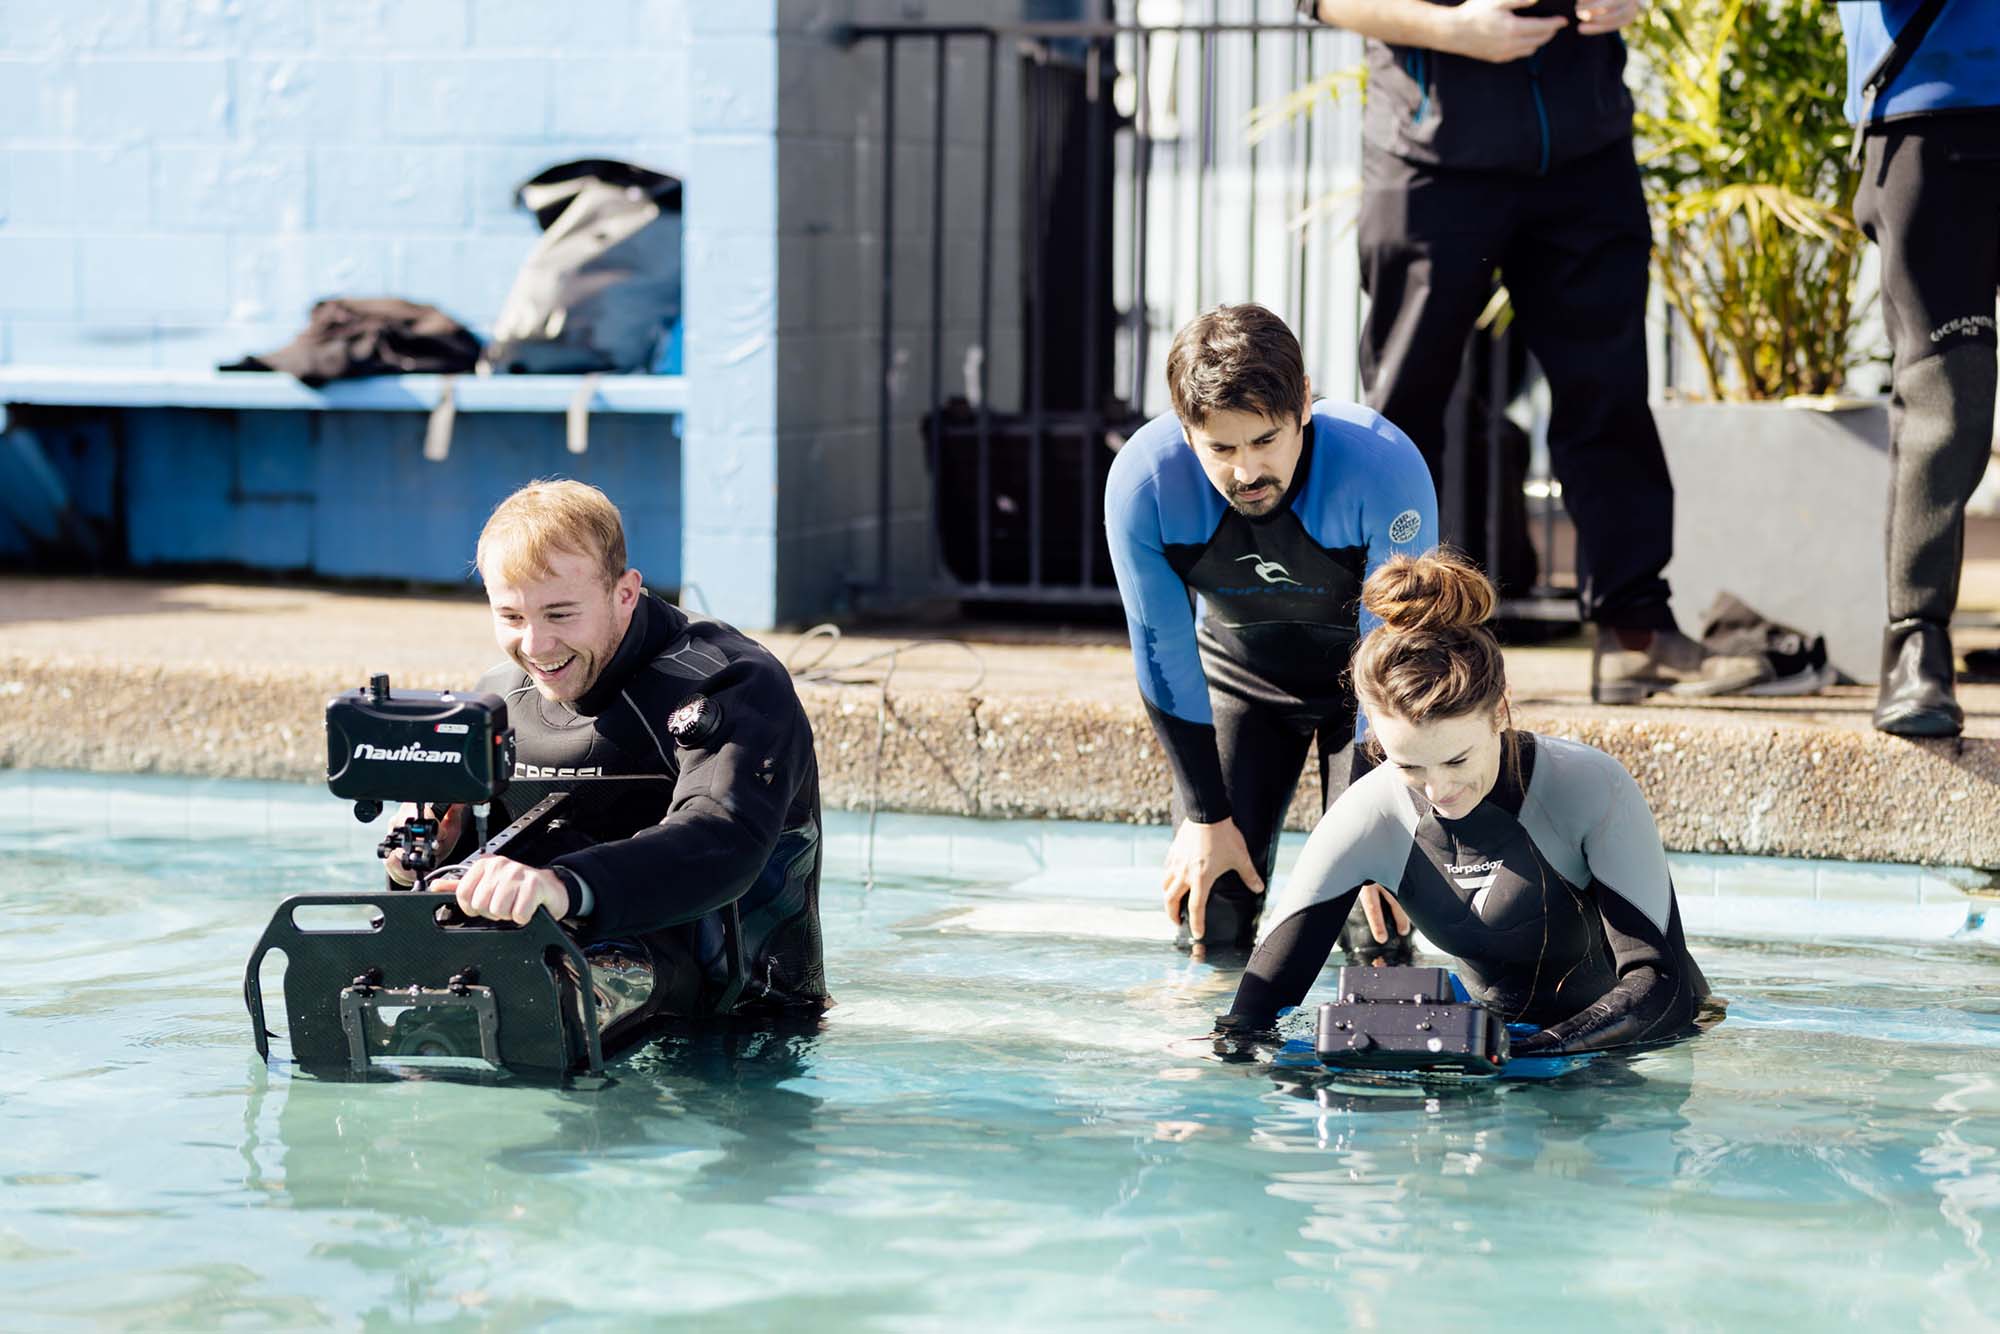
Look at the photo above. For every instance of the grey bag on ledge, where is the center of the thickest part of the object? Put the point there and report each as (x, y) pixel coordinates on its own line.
(604, 283)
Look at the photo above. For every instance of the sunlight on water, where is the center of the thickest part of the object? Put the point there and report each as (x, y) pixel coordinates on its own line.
(1010, 1120)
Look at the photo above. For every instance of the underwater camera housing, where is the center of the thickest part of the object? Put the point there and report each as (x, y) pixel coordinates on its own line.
(1407, 1020)
(402, 977)
(417, 745)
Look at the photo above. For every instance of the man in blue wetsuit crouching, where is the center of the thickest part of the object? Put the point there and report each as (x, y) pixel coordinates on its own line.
(1265, 514)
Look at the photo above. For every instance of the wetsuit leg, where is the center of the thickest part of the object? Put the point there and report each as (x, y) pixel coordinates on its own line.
(1429, 243)
(1930, 199)
(1576, 268)
(1262, 755)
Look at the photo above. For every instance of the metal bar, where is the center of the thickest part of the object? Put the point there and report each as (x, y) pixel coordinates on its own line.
(1204, 163)
(1250, 200)
(937, 295)
(1305, 41)
(888, 353)
(1452, 496)
(985, 486)
(1038, 147)
(1496, 416)
(1083, 29)
(1095, 125)
(1142, 153)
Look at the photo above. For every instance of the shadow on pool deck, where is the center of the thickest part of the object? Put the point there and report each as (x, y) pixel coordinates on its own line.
(229, 679)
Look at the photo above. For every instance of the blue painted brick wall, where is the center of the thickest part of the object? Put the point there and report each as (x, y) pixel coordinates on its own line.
(181, 179)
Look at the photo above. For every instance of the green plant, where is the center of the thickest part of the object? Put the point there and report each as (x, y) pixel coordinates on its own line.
(1743, 147)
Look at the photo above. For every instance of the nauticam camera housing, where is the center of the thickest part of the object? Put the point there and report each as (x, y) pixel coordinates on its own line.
(436, 747)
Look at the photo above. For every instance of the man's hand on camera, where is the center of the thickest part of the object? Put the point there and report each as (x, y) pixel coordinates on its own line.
(1490, 30)
(506, 891)
(449, 825)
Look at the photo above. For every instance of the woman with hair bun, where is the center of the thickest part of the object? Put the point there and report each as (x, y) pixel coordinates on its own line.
(1532, 860)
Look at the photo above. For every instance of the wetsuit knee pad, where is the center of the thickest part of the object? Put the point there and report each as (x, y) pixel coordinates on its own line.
(1948, 402)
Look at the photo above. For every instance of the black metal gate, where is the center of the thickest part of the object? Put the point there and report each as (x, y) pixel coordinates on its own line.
(1017, 489)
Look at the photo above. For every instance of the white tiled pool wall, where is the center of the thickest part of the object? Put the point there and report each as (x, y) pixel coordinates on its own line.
(1718, 894)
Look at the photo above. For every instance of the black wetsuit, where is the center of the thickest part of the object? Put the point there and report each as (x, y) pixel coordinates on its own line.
(1238, 694)
(1930, 200)
(734, 823)
(1552, 894)
(1525, 166)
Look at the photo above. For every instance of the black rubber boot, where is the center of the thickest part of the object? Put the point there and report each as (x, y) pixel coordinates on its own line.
(1916, 697)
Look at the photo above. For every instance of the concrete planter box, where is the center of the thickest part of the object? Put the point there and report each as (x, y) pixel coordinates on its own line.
(1784, 507)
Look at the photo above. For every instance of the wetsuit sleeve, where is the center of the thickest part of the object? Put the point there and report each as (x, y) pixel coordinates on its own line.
(1159, 616)
(729, 806)
(1359, 838)
(1398, 508)
(1286, 962)
(1658, 984)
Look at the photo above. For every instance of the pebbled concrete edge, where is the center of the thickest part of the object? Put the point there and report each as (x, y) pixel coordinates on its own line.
(1718, 783)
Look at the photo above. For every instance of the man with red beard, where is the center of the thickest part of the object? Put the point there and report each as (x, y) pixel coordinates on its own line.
(699, 889)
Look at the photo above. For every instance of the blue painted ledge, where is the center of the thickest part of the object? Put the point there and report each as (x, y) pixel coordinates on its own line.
(122, 387)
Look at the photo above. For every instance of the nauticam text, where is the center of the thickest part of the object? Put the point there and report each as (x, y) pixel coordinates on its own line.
(413, 754)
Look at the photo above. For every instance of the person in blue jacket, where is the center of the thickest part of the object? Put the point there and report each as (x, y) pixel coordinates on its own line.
(1241, 526)
(1924, 95)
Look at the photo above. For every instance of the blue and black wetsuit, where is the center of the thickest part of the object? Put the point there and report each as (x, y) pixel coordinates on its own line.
(733, 821)
(1239, 696)
(1552, 894)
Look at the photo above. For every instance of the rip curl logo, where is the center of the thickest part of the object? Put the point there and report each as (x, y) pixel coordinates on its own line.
(1966, 326)
(1264, 570)
(1405, 526)
(408, 754)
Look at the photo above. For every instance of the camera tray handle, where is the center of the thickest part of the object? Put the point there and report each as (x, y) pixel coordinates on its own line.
(544, 1025)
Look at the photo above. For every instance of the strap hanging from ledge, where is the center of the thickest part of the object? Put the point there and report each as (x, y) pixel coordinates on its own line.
(578, 423)
(437, 434)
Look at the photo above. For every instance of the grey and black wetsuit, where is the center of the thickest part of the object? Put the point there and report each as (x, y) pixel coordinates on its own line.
(1237, 689)
(735, 821)
(1552, 894)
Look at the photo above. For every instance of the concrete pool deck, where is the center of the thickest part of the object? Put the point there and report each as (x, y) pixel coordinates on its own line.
(230, 681)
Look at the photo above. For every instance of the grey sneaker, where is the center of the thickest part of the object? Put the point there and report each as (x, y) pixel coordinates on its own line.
(1628, 665)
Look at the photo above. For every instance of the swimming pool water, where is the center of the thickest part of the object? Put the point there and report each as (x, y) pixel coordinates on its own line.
(1010, 1121)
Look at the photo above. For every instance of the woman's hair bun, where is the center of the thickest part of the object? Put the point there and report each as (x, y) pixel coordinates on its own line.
(1439, 590)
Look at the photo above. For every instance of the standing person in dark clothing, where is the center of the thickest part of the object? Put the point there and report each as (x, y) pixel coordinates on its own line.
(1930, 199)
(604, 680)
(1534, 861)
(1498, 139)
(1270, 512)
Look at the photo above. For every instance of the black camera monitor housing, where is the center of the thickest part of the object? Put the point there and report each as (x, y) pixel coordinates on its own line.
(417, 745)
(1408, 1020)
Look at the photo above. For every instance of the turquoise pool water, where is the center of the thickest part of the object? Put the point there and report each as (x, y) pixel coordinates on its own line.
(1010, 1121)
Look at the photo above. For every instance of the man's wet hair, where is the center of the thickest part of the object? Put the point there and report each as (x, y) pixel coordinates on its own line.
(527, 529)
(1235, 359)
